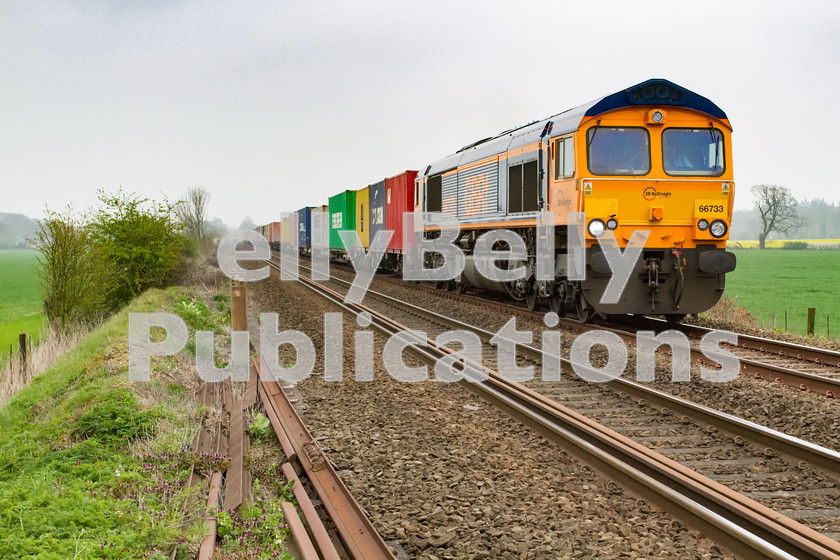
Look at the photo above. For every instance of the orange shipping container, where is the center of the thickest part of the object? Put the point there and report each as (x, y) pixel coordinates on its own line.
(276, 232)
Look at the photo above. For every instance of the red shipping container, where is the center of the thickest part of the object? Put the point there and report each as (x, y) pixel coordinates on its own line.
(399, 198)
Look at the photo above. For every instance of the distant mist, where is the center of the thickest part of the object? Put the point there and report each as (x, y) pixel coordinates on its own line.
(823, 222)
(16, 230)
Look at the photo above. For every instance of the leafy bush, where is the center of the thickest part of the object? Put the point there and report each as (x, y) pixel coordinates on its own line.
(93, 266)
(141, 244)
(797, 245)
(72, 272)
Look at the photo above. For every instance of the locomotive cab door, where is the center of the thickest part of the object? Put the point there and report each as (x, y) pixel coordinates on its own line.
(561, 177)
(562, 199)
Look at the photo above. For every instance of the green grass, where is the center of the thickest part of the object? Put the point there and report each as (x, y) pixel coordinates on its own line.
(20, 299)
(768, 282)
(70, 484)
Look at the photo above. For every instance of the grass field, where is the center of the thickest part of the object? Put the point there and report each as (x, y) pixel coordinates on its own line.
(20, 300)
(777, 243)
(767, 282)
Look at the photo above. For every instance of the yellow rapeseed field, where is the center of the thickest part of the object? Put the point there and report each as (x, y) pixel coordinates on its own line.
(777, 243)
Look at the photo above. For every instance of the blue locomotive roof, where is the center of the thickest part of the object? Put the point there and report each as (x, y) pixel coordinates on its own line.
(655, 91)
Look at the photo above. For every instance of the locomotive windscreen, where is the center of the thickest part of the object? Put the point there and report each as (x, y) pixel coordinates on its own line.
(618, 151)
(692, 151)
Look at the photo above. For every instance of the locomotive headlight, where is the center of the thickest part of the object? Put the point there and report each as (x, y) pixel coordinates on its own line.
(718, 228)
(656, 116)
(703, 225)
(596, 228)
(612, 223)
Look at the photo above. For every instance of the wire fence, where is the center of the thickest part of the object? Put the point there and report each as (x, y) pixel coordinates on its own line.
(807, 322)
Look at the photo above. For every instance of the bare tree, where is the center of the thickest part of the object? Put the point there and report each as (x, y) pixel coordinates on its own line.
(247, 223)
(192, 212)
(777, 209)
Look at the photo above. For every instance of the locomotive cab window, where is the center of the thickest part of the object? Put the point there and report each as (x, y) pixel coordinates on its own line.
(434, 201)
(564, 158)
(692, 151)
(618, 151)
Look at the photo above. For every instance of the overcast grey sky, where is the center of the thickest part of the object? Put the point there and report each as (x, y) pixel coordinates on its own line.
(283, 104)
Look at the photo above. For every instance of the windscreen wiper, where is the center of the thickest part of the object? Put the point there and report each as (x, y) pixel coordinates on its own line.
(594, 132)
(717, 144)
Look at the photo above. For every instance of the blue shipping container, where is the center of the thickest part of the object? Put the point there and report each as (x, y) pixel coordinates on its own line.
(377, 209)
(305, 228)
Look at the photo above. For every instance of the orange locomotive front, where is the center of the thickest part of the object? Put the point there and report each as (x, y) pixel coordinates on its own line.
(653, 158)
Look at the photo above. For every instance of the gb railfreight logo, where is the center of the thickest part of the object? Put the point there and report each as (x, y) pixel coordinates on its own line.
(651, 193)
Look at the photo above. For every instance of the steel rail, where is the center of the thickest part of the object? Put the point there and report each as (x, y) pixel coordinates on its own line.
(208, 544)
(322, 539)
(770, 347)
(801, 380)
(357, 533)
(739, 523)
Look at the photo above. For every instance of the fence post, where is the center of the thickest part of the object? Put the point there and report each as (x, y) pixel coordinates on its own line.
(827, 327)
(785, 320)
(22, 347)
(812, 314)
(774, 321)
(238, 307)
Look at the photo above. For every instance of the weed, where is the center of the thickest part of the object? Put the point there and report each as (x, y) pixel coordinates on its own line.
(117, 420)
(177, 390)
(196, 315)
(261, 427)
(259, 527)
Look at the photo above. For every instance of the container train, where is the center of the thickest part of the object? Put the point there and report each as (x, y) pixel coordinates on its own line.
(654, 157)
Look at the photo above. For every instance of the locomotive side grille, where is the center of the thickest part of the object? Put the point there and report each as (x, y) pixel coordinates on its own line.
(478, 190)
(449, 194)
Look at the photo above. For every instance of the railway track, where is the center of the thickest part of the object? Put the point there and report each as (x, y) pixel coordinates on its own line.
(662, 447)
(814, 369)
(800, 367)
(342, 529)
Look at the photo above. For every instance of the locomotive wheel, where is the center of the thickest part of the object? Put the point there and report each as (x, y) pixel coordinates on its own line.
(531, 301)
(450, 286)
(557, 305)
(460, 288)
(674, 318)
(585, 313)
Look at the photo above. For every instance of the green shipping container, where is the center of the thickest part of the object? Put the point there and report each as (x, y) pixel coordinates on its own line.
(342, 217)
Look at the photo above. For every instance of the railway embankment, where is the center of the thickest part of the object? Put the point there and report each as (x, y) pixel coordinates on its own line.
(95, 466)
